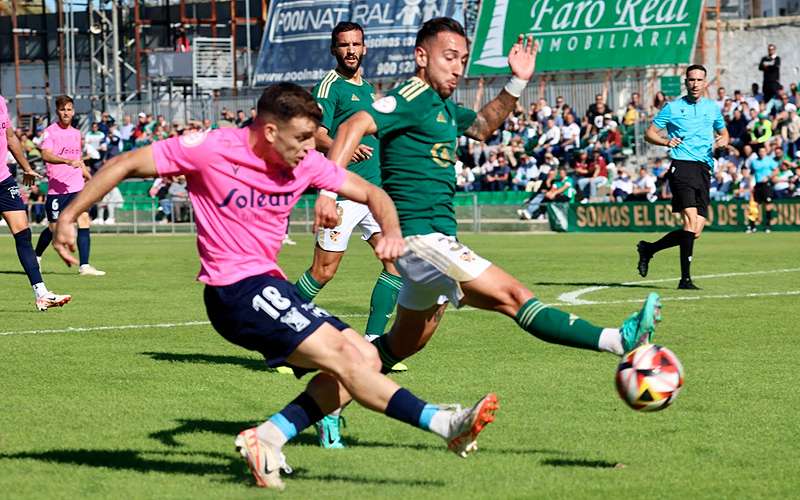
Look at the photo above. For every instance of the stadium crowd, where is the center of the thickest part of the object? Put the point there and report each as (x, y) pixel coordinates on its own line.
(107, 138)
(550, 150)
(558, 154)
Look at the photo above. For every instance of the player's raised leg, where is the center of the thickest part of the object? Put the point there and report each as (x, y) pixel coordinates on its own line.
(351, 367)
(498, 291)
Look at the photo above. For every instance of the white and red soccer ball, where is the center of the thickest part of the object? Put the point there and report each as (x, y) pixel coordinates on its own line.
(649, 378)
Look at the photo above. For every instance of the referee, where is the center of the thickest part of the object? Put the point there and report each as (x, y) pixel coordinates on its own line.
(695, 127)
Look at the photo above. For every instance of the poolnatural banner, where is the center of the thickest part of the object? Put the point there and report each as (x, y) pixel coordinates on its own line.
(297, 38)
(586, 34)
(648, 217)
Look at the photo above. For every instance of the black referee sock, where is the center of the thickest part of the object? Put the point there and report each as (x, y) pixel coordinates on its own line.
(669, 240)
(687, 247)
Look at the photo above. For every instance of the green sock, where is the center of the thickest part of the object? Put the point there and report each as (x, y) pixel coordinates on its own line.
(308, 286)
(557, 327)
(381, 306)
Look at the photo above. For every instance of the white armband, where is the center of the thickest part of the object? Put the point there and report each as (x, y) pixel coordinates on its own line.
(329, 194)
(515, 86)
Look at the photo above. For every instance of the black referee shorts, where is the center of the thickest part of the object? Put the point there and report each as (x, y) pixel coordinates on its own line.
(690, 182)
(762, 192)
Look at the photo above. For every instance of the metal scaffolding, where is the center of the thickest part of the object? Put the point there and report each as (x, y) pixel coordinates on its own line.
(111, 39)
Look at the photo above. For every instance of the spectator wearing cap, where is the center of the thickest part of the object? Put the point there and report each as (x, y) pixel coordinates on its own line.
(621, 187)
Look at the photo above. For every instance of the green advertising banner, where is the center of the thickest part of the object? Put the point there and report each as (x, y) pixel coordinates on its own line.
(671, 86)
(657, 217)
(586, 34)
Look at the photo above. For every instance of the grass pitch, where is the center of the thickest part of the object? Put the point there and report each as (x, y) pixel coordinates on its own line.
(128, 393)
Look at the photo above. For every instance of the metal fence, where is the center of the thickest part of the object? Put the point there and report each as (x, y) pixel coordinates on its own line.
(145, 215)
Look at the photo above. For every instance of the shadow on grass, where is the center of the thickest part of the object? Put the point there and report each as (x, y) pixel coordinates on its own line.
(599, 283)
(11, 272)
(580, 462)
(169, 437)
(137, 461)
(229, 465)
(303, 475)
(257, 365)
(363, 443)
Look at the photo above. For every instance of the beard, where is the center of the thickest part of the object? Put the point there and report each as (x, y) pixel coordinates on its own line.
(345, 65)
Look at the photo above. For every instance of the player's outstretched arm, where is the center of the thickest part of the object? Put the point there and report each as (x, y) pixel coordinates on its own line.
(138, 163)
(357, 189)
(522, 61)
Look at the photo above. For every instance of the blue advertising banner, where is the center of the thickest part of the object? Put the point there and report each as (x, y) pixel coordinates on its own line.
(296, 43)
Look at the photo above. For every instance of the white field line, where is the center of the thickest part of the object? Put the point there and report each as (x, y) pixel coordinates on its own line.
(572, 298)
(464, 309)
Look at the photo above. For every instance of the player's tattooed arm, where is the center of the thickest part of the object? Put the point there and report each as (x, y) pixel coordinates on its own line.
(491, 116)
(522, 62)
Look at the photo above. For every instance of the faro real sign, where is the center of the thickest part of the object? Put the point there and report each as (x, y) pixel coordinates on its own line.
(586, 34)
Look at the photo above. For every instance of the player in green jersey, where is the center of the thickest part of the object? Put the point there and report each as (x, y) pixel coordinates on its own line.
(417, 125)
(340, 94)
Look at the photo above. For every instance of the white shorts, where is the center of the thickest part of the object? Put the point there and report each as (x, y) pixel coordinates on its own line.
(433, 269)
(351, 214)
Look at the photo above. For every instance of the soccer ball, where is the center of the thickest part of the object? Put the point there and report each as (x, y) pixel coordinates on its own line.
(649, 378)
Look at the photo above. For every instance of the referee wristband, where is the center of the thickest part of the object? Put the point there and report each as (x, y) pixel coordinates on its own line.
(515, 86)
(329, 194)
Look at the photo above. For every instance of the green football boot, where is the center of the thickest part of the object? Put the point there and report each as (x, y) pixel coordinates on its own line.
(328, 431)
(640, 326)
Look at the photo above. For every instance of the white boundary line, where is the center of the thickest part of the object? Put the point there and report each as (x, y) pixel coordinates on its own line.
(464, 309)
(572, 298)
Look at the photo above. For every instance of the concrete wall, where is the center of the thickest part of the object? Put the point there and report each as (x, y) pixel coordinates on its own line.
(744, 43)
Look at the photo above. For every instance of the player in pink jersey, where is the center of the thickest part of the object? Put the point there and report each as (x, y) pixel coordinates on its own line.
(16, 216)
(243, 184)
(62, 152)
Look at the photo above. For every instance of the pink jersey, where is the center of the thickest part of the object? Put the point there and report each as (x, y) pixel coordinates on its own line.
(5, 124)
(64, 143)
(241, 204)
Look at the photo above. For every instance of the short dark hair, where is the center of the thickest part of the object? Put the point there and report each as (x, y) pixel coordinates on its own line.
(696, 66)
(284, 101)
(344, 27)
(436, 25)
(63, 100)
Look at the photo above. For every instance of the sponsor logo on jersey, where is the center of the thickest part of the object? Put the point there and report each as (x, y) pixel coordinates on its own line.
(254, 199)
(442, 154)
(354, 98)
(440, 118)
(69, 151)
